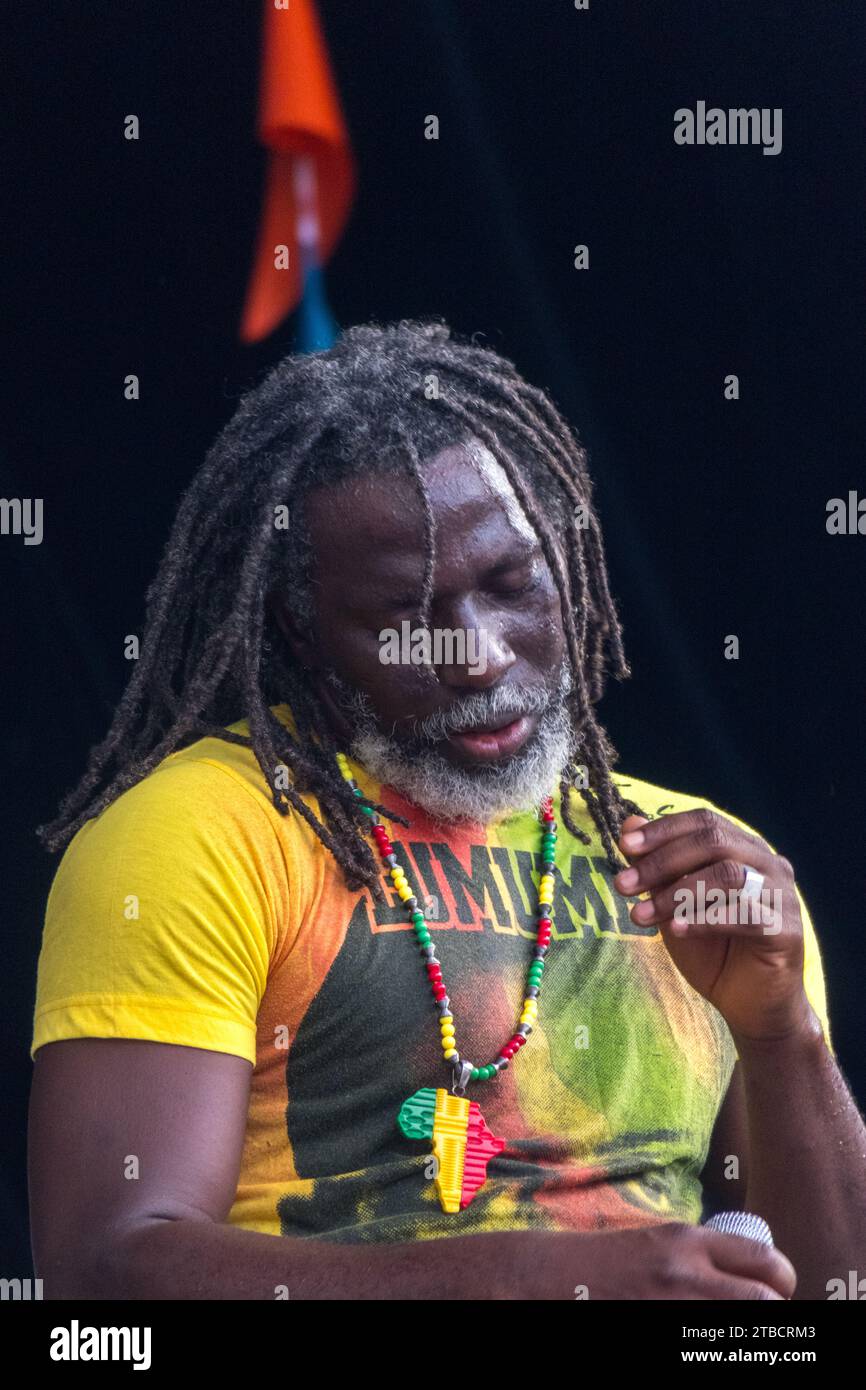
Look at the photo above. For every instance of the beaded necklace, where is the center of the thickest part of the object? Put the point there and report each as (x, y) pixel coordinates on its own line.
(462, 1143)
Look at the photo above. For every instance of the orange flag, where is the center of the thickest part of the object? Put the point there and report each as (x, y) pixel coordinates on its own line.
(299, 115)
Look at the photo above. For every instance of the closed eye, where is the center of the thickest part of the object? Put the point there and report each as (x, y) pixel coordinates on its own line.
(516, 584)
(517, 593)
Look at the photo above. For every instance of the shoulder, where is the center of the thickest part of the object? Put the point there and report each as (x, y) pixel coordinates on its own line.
(197, 791)
(204, 814)
(656, 800)
(201, 818)
(213, 786)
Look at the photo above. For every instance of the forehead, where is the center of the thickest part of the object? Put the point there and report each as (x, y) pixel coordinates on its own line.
(469, 493)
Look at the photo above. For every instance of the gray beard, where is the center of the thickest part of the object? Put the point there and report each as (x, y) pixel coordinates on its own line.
(484, 793)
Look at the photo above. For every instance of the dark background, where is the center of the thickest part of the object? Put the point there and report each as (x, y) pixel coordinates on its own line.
(556, 128)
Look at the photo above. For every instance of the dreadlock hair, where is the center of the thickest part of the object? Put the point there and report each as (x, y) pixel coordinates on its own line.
(385, 396)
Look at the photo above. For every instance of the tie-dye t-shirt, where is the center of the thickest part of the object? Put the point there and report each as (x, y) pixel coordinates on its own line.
(191, 912)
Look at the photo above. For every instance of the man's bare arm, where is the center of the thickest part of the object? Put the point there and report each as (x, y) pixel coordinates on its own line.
(800, 1144)
(134, 1156)
(807, 1156)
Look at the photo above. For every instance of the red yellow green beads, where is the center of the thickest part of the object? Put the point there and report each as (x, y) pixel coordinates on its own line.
(529, 1008)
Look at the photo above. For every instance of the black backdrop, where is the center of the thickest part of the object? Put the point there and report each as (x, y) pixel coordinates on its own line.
(556, 128)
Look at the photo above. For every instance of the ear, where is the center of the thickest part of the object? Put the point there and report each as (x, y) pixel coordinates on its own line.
(297, 628)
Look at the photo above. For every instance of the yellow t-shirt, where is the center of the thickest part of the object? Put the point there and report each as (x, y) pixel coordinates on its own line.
(191, 912)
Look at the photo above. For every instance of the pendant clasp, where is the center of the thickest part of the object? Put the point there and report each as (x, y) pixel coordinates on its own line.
(461, 1074)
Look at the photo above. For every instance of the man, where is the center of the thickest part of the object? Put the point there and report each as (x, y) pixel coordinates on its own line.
(363, 945)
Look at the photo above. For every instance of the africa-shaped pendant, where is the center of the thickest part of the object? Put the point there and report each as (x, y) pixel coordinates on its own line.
(462, 1143)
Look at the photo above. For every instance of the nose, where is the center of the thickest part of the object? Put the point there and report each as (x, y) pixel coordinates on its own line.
(477, 660)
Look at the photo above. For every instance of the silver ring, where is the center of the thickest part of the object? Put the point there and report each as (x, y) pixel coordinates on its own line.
(753, 885)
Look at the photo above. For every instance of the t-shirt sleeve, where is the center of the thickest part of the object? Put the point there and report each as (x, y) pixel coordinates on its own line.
(164, 916)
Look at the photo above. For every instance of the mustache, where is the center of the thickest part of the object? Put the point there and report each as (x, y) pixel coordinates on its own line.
(502, 704)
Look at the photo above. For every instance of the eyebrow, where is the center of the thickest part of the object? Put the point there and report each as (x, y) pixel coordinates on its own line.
(529, 552)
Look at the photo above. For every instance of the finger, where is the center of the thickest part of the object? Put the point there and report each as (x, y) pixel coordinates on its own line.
(708, 1284)
(751, 1259)
(719, 1286)
(745, 1290)
(686, 854)
(710, 826)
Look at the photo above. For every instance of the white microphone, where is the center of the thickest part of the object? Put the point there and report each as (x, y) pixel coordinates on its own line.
(740, 1223)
